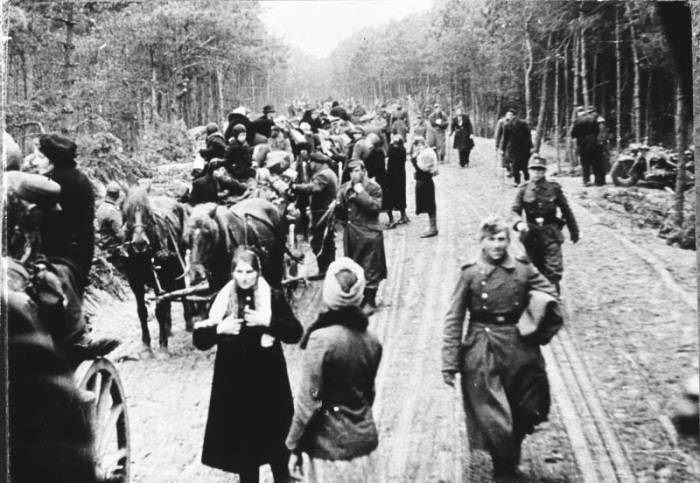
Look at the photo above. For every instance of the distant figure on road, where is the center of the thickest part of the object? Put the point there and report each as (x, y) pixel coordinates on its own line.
(425, 163)
(503, 377)
(438, 121)
(516, 145)
(359, 204)
(333, 421)
(462, 129)
(251, 406)
(500, 124)
(541, 229)
(395, 193)
(586, 131)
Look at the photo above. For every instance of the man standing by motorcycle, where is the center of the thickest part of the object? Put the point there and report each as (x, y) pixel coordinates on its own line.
(541, 232)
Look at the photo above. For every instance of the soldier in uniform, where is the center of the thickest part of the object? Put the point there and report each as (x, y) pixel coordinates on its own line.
(108, 219)
(586, 131)
(359, 204)
(503, 377)
(541, 229)
(323, 190)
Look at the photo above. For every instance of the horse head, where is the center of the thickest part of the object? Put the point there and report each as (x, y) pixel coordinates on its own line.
(139, 221)
(202, 234)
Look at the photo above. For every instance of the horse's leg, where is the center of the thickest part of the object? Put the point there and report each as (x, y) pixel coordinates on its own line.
(139, 291)
(164, 318)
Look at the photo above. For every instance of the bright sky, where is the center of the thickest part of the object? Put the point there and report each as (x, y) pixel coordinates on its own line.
(317, 26)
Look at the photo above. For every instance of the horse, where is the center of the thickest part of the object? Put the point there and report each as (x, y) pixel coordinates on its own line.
(153, 228)
(213, 232)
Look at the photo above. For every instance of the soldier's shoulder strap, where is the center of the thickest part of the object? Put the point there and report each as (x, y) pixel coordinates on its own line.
(468, 264)
(523, 259)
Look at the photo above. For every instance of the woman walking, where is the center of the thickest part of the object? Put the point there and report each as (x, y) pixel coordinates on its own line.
(395, 195)
(333, 421)
(251, 401)
(462, 131)
(425, 162)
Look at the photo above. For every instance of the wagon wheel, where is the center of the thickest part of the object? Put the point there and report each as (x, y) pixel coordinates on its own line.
(109, 419)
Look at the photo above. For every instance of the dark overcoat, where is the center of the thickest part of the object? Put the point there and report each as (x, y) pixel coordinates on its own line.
(376, 169)
(251, 406)
(504, 383)
(70, 233)
(395, 193)
(238, 160)
(204, 190)
(462, 133)
(363, 240)
(425, 190)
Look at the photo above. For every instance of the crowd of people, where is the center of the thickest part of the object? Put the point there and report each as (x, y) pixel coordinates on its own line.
(347, 166)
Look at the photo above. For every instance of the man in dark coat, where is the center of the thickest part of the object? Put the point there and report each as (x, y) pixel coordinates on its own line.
(359, 204)
(323, 191)
(503, 377)
(205, 189)
(539, 198)
(499, 138)
(263, 125)
(462, 130)
(238, 159)
(238, 116)
(586, 131)
(216, 144)
(375, 163)
(516, 145)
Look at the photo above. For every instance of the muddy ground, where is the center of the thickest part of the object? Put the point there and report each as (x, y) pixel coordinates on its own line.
(636, 335)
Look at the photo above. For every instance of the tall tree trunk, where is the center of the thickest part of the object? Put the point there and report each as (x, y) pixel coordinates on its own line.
(221, 115)
(648, 112)
(584, 70)
(570, 150)
(543, 97)
(154, 79)
(636, 108)
(680, 148)
(618, 83)
(556, 109)
(68, 69)
(594, 75)
(528, 71)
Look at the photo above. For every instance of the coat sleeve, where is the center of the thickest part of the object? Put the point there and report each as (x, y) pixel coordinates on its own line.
(283, 324)
(454, 322)
(499, 134)
(567, 214)
(517, 208)
(308, 398)
(317, 184)
(370, 201)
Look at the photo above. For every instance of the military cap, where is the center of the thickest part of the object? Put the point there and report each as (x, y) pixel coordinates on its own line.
(319, 158)
(537, 162)
(113, 188)
(354, 163)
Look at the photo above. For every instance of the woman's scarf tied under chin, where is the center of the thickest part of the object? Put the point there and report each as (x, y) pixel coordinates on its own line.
(333, 295)
(226, 304)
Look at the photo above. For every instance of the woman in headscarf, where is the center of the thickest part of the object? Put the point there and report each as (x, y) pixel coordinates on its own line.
(251, 402)
(333, 421)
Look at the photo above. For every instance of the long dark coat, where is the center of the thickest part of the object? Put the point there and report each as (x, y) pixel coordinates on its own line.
(239, 162)
(425, 190)
(504, 383)
(363, 240)
(70, 233)
(251, 406)
(376, 169)
(204, 190)
(395, 193)
(462, 133)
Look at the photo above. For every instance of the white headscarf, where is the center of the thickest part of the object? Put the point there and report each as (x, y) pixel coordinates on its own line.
(333, 295)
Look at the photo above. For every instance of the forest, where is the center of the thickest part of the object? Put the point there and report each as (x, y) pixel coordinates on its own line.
(132, 68)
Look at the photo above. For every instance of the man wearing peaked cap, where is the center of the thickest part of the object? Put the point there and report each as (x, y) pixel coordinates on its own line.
(540, 229)
(322, 189)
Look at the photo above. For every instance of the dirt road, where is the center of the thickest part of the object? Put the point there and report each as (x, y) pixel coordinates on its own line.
(631, 337)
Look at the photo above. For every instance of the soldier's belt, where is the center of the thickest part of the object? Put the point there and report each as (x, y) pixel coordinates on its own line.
(491, 319)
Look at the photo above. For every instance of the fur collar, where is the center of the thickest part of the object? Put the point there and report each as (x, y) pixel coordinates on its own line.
(350, 317)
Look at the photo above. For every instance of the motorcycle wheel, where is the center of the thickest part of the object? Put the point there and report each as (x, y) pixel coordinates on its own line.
(622, 173)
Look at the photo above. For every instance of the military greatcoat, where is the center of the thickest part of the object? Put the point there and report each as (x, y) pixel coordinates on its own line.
(504, 383)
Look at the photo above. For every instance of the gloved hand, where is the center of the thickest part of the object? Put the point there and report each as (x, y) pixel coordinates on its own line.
(574, 238)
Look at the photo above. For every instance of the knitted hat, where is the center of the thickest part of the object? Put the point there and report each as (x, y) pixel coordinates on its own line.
(333, 295)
